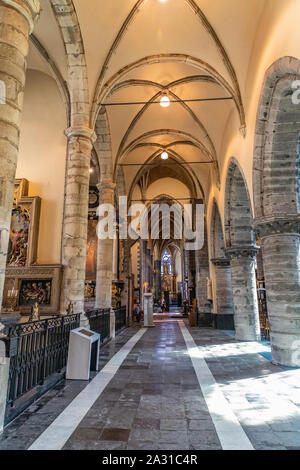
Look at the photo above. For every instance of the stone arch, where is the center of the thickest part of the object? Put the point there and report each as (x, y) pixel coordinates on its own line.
(276, 166)
(66, 16)
(277, 204)
(217, 242)
(103, 145)
(238, 212)
(241, 249)
(188, 174)
(187, 139)
(209, 29)
(222, 274)
(61, 84)
(139, 115)
(102, 91)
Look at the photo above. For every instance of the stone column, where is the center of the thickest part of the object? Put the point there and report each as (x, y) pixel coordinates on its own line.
(187, 273)
(157, 279)
(281, 258)
(75, 221)
(202, 273)
(105, 259)
(16, 24)
(246, 318)
(223, 286)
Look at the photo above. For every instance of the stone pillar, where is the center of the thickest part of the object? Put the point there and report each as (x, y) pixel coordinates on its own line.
(202, 273)
(223, 286)
(16, 24)
(246, 318)
(80, 143)
(187, 274)
(115, 258)
(281, 258)
(157, 279)
(105, 259)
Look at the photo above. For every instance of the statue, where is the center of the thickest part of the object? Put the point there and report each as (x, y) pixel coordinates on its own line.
(209, 289)
(70, 309)
(35, 313)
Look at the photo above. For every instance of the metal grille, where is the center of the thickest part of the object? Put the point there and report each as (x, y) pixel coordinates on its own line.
(37, 350)
(100, 322)
(121, 320)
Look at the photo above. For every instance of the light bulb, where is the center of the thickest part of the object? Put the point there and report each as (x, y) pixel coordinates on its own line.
(165, 101)
(164, 156)
(91, 170)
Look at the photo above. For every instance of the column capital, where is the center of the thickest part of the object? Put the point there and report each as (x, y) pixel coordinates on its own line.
(30, 9)
(274, 225)
(85, 132)
(106, 185)
(224, 262)
(242, 251)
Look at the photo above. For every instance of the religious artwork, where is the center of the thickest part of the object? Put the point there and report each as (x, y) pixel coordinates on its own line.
(93, 197)
(30, 284)
(20, 189)
(91, 251)
(33, 291)
(70, 309)
(18, 237)
(90, 290)
(116, 294)
(35, 313)
(23, 236)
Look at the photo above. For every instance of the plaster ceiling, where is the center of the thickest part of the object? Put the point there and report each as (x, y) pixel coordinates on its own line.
(117, 34)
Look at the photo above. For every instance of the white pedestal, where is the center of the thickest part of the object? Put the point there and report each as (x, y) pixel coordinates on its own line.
(148, 311)
(84, 349)
(4, 371)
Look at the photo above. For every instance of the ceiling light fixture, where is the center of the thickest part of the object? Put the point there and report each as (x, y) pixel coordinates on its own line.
(164, 156)
(165, 101)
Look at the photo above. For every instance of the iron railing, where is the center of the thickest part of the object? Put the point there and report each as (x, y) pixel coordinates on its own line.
(121, 318)
(100, 322)
(37, 350)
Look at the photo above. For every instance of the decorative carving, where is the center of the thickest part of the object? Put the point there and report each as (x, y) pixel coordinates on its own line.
(47, 279)
(223, 262)
(277, 225)
(70, 309)
(241, 251)
(35, 313)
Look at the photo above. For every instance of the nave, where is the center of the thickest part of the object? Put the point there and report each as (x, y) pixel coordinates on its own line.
(171, 387)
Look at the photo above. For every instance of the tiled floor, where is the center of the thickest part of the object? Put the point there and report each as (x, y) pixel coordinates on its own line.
(154, 400)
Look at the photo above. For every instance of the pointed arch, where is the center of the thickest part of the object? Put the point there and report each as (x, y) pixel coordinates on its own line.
(102, 92)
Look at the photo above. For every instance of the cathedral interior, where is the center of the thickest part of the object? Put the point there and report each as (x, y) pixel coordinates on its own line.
(111, 108)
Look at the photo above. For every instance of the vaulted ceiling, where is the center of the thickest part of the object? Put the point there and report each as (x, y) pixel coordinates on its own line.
(138, 50)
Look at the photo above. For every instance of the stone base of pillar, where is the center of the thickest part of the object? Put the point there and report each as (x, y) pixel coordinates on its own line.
(246, 316)
(84, 321)
(112, 324)
(281, 247)
(148, 311)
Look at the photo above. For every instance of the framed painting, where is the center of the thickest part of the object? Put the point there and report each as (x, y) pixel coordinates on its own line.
(20, 189)
(91, 250)
(23, 236)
